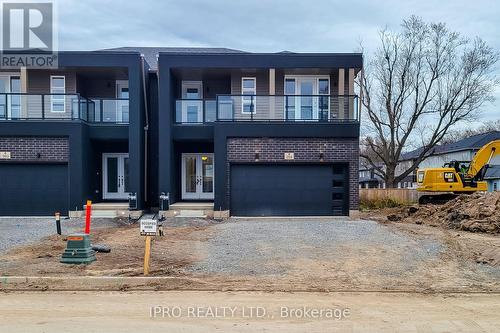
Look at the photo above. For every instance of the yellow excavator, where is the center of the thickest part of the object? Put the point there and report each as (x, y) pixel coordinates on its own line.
(456, 177)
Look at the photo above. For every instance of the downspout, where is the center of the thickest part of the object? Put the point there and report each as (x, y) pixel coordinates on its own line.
(146, 129)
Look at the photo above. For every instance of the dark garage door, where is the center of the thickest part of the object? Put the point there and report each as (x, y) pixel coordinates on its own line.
(288, 190)
(33, 189)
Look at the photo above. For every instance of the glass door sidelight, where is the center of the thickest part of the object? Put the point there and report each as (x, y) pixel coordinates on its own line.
(115, 175)
(198, 176)
(192, 102)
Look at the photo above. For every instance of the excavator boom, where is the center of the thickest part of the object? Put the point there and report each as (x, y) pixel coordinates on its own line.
(483, 157)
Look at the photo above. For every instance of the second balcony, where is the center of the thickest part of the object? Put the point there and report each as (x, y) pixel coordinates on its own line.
(263, 108)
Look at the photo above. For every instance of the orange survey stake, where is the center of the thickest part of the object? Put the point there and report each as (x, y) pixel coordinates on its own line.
(87, 216)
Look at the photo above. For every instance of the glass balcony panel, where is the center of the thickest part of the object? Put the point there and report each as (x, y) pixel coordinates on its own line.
(21, 106)
(287, 108)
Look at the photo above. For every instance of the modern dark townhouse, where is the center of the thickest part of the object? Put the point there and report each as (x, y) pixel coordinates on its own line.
(72, 134)
(225, 131)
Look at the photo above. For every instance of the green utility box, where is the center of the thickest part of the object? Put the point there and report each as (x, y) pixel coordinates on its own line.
(78, 250)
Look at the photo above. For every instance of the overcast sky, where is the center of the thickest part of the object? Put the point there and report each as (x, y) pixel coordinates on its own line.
(265, 26)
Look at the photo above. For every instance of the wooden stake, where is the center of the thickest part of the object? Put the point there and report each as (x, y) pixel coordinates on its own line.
(147, 255)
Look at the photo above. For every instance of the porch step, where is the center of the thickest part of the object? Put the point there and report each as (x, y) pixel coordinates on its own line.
(192, 206)
(109, 209)
(191, 213)
(191, 209)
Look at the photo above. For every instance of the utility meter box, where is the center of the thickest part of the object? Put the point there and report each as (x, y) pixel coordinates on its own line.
(164, 201)
(78, 250)
(132, 201)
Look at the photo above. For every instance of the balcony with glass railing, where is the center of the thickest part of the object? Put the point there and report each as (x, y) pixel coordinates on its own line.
(195, 111)
(27, 106)
(284, 108)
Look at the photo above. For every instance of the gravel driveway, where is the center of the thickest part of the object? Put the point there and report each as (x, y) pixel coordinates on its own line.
(15, 231)
(275, 246)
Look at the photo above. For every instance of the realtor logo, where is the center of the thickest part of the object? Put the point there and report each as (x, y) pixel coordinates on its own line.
(28, 35)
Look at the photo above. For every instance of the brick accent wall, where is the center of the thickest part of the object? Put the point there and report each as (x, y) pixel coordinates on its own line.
(27, 148)
(304, 149)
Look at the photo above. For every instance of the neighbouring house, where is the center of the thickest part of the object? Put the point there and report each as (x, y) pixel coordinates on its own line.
(492, 177)
(368, 178)
(247, 134)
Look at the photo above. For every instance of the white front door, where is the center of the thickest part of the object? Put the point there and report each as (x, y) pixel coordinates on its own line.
(198, 176)
(122, 95)
(192, 102)
(115, 176)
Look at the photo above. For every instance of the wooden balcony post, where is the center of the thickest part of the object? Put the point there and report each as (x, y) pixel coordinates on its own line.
(272, 92)
(24, 89)
(341, 93)
(350, 100)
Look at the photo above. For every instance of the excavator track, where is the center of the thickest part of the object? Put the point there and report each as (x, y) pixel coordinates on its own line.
(436, 199)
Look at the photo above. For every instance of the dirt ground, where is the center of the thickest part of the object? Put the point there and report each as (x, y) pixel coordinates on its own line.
(471, 244)
(374, 256)
(478, 212)
(131, 312)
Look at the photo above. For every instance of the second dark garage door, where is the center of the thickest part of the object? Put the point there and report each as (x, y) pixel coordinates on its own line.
(288, 190)
(33, 189)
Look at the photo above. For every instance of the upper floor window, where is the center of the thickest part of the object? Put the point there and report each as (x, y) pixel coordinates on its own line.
(248, 87)
(57, 90)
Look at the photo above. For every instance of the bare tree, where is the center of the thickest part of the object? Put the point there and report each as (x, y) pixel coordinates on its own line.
(421, 82)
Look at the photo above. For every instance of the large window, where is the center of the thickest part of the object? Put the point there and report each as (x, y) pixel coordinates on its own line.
(249, 90)
(57, 89)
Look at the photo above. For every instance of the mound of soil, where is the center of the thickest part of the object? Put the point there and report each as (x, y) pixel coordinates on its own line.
(476, 213)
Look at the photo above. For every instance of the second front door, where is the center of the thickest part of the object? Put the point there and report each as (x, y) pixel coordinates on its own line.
(198, 176)
(115, 180)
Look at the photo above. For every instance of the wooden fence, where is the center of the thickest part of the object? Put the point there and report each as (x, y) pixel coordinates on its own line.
(403, 195)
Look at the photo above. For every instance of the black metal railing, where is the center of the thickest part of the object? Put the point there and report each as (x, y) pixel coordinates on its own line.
(28, 106)
(281, 108)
